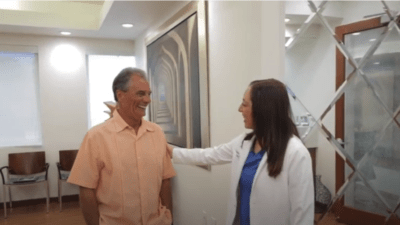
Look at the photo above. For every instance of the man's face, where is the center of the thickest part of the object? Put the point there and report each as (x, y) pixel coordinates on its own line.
(133, 103)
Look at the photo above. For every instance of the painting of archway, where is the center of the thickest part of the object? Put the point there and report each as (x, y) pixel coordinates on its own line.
(173, 69)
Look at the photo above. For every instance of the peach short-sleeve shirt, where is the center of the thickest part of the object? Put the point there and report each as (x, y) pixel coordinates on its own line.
(127, 170)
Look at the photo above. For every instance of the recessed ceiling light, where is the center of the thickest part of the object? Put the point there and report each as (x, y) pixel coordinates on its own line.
(356, 33)
(287, 20)
(127, 25)
(377, 63)
(373, 39)
(65, 33)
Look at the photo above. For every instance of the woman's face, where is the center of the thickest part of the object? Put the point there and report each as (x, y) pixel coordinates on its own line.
(246, 109)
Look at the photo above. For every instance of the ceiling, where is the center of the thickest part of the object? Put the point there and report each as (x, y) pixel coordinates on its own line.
(94, 19)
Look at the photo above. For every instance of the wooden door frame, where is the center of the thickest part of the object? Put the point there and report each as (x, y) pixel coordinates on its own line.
(344, 213)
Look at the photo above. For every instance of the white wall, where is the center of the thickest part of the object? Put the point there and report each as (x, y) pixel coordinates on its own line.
(63, 102)
(245, 43)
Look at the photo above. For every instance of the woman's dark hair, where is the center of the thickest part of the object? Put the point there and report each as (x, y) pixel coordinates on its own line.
(272, 123)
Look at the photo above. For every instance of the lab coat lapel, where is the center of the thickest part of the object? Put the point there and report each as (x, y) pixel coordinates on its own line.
(242, 155)
(261, 167)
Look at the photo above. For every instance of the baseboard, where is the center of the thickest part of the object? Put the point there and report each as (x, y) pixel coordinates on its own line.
(29, 202)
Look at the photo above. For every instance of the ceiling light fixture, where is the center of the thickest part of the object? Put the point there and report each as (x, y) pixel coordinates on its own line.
(11, 5)
(65, 33)
(377, 63)
(287, 20)
(127, 25)
(356, 33)
(66, 58)
(373, 39)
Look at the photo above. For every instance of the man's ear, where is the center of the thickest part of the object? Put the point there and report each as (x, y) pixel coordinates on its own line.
(120, 95)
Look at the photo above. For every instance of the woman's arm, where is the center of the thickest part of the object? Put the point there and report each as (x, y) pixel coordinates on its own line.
(301, 188)
(216, 155)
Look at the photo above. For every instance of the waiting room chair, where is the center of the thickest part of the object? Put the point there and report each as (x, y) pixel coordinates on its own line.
(25, 169)
(67, 159)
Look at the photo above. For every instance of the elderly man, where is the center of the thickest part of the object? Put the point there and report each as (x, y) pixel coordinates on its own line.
(123, 168)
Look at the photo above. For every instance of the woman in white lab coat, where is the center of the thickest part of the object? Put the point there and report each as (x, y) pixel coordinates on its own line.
(271, 177)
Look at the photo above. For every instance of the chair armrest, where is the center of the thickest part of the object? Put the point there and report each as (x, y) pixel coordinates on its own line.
(59, 170)
(2, 175)
(47, 169)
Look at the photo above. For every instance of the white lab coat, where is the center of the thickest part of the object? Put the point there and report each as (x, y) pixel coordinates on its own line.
(287, 199)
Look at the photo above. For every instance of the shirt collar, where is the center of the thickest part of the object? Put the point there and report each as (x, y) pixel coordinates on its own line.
(120, 123)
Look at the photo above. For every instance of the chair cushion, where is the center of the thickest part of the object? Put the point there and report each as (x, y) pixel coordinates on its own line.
(25, 180)
(64, 176)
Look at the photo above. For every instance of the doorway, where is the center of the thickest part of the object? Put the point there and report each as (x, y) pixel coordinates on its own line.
(367, 122)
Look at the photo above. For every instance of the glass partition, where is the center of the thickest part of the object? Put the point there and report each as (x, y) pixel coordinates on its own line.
(342, 72)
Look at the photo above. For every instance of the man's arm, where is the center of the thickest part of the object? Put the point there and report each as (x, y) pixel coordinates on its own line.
(166, 194)
(89, 206)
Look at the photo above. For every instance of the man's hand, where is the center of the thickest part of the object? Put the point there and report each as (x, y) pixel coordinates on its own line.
(166, 195)
(89, 206)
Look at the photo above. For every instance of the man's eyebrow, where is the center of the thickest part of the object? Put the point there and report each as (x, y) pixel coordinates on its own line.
(143, 91)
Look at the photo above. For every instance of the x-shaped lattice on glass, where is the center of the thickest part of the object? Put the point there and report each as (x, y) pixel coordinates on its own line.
(356, 167)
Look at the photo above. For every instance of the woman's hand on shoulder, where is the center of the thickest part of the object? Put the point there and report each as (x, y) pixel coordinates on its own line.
(169, 150)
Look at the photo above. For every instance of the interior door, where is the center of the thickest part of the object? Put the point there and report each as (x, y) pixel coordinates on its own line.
(367, 119)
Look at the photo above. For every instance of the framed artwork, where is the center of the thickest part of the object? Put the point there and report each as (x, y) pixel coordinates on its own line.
(178, 76)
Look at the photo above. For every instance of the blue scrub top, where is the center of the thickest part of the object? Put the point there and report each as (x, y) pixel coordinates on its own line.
(246, 182)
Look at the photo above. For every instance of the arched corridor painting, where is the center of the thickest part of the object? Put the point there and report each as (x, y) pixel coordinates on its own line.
(175, 80)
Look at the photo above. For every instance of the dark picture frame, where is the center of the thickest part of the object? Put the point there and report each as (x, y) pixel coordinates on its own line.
(178, 75)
